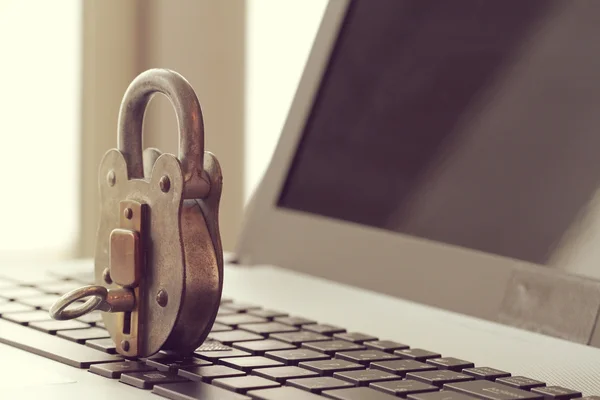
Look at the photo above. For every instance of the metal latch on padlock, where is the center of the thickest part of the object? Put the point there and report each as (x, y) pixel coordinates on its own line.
(158, 260)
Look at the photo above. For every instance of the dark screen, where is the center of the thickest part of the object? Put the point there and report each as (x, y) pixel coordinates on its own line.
(470, 122)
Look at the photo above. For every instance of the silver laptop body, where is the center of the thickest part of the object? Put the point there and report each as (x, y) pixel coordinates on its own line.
(434, 185)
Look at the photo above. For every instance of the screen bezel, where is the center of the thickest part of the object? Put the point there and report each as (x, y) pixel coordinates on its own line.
(388, 262)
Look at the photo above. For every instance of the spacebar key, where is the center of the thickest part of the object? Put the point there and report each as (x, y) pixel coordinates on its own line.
(195, 390)
(488, 390)
(52, 347)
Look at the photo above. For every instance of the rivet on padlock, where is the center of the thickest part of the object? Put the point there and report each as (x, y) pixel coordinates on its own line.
(158, 260)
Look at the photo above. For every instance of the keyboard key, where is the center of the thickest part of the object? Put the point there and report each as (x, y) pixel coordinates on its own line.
(34, 283)
(403, 387)
(58, 287)
(260, 347)
(19, 292)
(521, 382)
(212, 345)
(328, 367)
(385, 345)
(486, 373)
(171, 363)
(237, 319)
(365, 376)
(298, 338)
(323, 329)
(220, 327)
(195, 390)
(105, 345)
(44, 302)
(556, 392)
(222, 312)
(443, 395)
(402, 367)
(366, 356)
(287, 393)
(249, 363)
(24, 318)
(146, 380)
(50, 346)
(114, 370)
(37, 281)
(217, 355)
(281, 374)
(82, 277)
(266, 328)
(354, 337)
(230, 337)
(81, 335)
(7, 282)
(359, 393)
(12, 307)
(294, 356)
(331, 347)
(53, 326)
(244, 383)
(451, 363)
(416, 354)
(439, 378)
(488, 390)
(318, 384)
(209, 373)
(294, 321)
(91, 318)
(239, 307)
(268, 314)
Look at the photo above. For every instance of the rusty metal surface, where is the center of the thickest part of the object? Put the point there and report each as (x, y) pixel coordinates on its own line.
(126, 267)
(210, 204)
(203, 254)
(180, 287)
(124, 257)
(210, 208)
(97, 295)
(200, 298)
(163, 251)
(158, 247)
(189, 119)
(118, 300)
(113, 300)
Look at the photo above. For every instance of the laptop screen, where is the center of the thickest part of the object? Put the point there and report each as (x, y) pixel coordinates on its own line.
(470, 122)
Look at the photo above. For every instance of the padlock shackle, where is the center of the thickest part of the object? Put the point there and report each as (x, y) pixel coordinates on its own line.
(189, 120)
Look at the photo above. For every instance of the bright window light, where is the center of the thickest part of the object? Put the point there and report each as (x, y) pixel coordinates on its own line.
(279, 37)
(40, 53)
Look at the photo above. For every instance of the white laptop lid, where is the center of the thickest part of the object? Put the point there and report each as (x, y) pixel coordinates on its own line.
(446, 153)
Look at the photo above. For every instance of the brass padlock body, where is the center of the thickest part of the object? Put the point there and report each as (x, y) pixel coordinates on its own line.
(183, 259)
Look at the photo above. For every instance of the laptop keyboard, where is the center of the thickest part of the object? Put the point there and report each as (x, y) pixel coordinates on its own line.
(257, 353)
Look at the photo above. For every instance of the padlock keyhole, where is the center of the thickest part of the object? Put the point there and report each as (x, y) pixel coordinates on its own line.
(127, 323)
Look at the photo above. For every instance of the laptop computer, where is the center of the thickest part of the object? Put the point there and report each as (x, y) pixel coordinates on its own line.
(425, 229)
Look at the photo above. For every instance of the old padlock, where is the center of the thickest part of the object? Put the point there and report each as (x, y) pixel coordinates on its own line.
(158, 259)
